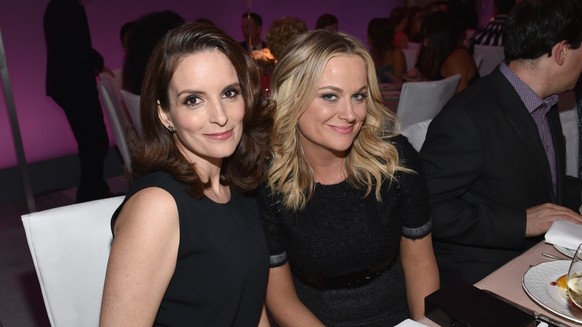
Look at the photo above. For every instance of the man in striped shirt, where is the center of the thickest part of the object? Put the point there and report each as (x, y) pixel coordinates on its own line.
(492, 33)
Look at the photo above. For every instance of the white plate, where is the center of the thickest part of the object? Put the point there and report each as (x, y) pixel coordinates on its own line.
(565, 251)
(538, 283)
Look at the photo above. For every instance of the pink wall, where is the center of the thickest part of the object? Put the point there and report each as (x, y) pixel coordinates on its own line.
(45, 131)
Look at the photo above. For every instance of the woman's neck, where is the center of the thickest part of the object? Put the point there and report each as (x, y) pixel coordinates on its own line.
(328, 171)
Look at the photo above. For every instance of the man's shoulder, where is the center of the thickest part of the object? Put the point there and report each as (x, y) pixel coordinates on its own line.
(478, 95)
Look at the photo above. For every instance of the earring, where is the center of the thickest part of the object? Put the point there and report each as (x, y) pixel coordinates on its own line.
(171, 129)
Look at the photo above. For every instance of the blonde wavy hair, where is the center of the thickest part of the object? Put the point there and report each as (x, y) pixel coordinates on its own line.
(371, 160)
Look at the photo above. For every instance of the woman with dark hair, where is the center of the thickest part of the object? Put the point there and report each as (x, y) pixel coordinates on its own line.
(399, 20)
(442, 54)
(415, 15)
(389, 60)
(145, 34)
(327, 22)
(188, 247)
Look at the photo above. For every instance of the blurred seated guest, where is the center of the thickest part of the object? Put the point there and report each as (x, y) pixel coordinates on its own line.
(414, 24)
(149, 30)
(188, 247)
(125, 33)
(494, 156)
(252, 27)
(399, 20)
(442, 53)
(327, 22)
(437, 5)
(282, 31)
(345, 210)
(389, 60)
(492, 33)
(464, 13)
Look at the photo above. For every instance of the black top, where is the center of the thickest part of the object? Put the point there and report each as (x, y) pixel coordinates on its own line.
(221, 269)
(341, 231)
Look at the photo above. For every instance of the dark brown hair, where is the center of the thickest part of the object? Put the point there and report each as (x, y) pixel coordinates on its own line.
(245, 169)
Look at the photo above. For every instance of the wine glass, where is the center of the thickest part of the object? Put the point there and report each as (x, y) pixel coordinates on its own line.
(574, 281)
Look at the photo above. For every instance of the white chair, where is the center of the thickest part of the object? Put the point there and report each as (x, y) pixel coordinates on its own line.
(423, 100)
(132, 104)
(416, 133)
(70, 247)
(118, 120)
(414, 45)
(410, 55)
(478, 60)
(492, 56)
(569, 120)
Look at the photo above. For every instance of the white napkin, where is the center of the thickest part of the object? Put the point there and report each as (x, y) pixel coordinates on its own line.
(565, 234)
(410, 323)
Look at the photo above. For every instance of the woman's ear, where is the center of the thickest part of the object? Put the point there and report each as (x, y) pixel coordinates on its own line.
(164, 116)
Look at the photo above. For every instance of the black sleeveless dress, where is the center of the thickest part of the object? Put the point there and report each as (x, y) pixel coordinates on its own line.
(222, 263)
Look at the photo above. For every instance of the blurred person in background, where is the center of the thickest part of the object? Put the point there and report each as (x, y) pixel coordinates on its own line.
(149, 29)
(442, 53)
(327, 22)
(389, 60)
(282, 31)
(252, 27)
(71, 69)
(492, 33)
(399, 20)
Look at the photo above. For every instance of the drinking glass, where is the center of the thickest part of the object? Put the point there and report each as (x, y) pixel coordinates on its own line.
(574, 281)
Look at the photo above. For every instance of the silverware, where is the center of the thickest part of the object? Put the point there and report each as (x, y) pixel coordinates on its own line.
(539, 317)
(551, 256)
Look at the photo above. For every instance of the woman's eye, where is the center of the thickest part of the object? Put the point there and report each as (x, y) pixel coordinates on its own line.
(231, 93)
(192, 101)
(329, 97)
(359, 97)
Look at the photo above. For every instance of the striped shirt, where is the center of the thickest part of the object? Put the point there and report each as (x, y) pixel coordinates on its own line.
(492, 33)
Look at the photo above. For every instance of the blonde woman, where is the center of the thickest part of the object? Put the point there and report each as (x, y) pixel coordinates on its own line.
(345, 210)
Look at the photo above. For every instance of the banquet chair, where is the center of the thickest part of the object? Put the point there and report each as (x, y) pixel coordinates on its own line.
(492, 56)
(132, 103)
(70, 247)
(478, 59)
(569, 121)
(410, 57)
(416, 133)
(118, 120)
(423, 100)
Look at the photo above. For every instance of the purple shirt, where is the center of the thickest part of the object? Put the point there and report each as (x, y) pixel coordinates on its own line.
(538, 109)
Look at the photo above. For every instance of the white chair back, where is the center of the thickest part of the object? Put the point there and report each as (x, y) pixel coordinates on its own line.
(118, 120)
(410, 55)
(492, 56)
(416, 133)
(478, 60)
(423, 100)
(569, 120)
(70, 247)
(414, 45)
(132, 103)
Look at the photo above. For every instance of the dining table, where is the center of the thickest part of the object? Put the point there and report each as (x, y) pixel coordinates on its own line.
(507, 281)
